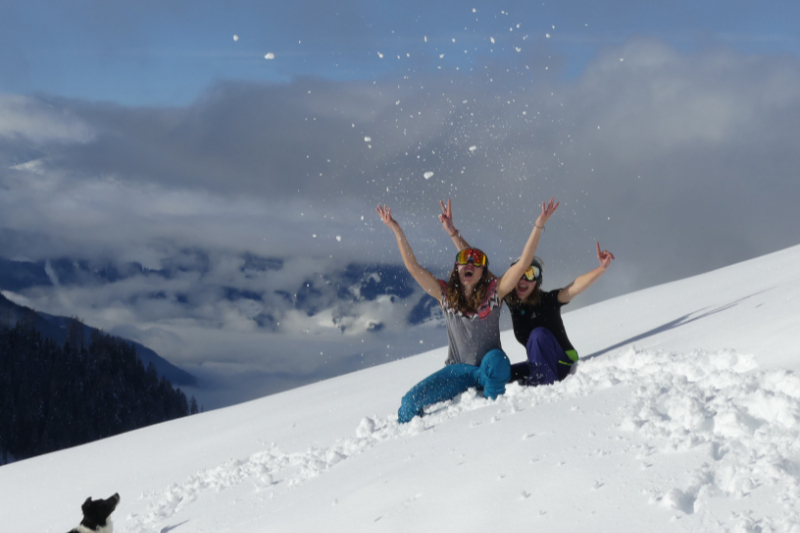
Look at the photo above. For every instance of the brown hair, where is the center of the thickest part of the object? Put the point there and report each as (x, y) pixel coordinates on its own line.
(454, 293)
(533, 298)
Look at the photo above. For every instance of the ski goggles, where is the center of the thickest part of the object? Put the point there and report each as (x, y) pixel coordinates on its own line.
(532, 273)
(472, 255)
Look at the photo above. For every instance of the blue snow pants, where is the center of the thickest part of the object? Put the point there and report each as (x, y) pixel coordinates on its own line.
(547, 361)
(491, 376)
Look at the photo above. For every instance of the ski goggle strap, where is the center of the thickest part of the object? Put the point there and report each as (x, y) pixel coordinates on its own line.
(471, 255)
(532, 273)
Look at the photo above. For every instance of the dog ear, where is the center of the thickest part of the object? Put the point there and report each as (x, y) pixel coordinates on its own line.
(86, 503)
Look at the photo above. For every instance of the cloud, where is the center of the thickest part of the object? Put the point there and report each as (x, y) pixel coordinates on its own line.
(31, 119)
(678, 162)
(645, 122)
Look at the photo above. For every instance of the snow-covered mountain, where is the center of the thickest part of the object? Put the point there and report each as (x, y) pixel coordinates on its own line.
(335, 291)
(683, 415)
(245, 325)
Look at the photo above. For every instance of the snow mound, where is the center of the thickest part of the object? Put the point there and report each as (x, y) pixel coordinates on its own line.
(742, 422)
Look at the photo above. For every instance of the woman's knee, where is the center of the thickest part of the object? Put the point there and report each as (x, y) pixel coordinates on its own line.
(496, 365)
(541, 334)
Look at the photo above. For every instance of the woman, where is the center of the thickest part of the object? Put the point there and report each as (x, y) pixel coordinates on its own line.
(536, 315)
(471, 300)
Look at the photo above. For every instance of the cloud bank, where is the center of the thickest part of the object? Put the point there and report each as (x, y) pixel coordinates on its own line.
(678, 162)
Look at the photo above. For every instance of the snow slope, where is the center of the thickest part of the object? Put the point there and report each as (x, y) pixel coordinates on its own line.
(684, 415)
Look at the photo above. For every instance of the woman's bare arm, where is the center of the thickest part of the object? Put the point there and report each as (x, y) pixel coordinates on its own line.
(512, 276)
(585, 281)
(425, 279)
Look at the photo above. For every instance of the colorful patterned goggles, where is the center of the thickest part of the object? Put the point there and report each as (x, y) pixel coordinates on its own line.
(472, 255)
(532, 274)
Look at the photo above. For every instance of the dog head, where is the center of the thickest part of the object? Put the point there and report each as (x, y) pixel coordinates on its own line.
(96, 512)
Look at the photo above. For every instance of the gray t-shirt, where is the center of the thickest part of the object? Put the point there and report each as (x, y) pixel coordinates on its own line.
(472, 335)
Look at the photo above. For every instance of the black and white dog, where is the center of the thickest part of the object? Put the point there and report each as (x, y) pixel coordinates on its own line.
(96, 515)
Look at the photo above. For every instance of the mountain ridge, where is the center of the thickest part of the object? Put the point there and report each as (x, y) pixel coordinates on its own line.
(57, 328)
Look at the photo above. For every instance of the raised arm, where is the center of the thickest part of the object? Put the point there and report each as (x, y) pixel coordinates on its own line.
(512, 276)
(425, 279)
(446, 218)
(585, 281)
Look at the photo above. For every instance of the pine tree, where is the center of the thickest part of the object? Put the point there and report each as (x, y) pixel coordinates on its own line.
(53, 397)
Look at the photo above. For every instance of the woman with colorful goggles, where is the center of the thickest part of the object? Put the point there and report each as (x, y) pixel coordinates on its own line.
(471, 300)
(472, 255)
(536, 314)
(532, 273)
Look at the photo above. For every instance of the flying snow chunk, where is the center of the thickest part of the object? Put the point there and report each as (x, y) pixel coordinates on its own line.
(235, 37)
(518, 49)
(426, 38)
(491, 39)
(473, 148)
(547, 35)
(380, 55)
(269, 56)
(339, 238)
(428, 175)
(367, 139)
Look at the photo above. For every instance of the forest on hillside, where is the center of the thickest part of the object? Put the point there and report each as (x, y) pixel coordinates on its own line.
(56, 396)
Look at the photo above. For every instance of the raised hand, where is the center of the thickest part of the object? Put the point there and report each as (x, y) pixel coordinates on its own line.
(446, 218)
(547, 212)
(604, 257)
(385, 213)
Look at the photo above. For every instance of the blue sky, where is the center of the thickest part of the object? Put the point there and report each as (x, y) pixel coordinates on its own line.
(168, 53)
(143, 132)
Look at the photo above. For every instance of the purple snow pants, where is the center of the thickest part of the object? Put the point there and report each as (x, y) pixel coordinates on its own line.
(544, 355)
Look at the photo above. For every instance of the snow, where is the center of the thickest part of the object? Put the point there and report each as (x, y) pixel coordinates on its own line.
(683, 415)
(269, 55)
